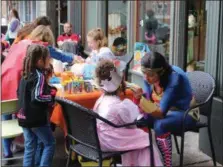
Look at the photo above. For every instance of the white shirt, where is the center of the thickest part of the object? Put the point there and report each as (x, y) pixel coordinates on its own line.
(13, 34)
(104, 53)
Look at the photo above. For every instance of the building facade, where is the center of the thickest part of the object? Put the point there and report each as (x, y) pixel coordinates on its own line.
(194, 41)
(193, 38)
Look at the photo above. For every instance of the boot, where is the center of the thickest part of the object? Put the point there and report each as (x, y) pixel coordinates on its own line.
(164, 144)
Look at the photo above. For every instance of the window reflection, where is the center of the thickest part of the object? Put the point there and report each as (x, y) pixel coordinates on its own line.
(155, 25)
(117, 20)
(196, 35)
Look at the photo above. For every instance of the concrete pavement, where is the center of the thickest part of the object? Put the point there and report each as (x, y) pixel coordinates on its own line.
(192, 156)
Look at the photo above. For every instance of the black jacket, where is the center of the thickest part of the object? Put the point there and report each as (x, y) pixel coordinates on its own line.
(35, 100)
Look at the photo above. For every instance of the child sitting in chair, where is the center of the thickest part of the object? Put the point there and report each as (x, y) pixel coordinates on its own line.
(110, 106)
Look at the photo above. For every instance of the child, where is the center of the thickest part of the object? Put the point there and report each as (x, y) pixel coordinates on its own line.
(120, 112)
(97, 42)
(119, 49)
(35, 97)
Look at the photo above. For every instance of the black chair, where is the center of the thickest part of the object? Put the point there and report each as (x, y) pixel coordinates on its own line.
(203, 86)
(127, 68)
(81, 127)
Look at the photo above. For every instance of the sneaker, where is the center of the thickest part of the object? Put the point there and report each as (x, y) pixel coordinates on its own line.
(8, 162)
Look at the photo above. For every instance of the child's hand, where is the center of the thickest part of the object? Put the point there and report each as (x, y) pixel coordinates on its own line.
(78, 59)
(53, 92)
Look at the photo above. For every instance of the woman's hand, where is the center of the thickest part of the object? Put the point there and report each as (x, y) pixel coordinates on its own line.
(78, 59)
(157, 114)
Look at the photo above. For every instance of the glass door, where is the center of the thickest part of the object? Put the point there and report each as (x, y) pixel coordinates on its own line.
(196, 35)
(154, 25)
(61, 14)
(117, 20)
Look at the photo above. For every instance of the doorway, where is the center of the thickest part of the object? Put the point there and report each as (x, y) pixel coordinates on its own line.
(196, 35)
(61, 15)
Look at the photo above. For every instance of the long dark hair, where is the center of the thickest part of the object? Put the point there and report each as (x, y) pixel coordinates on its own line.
(15, 13)
(154, 60)
(34, 53)
(27, 29)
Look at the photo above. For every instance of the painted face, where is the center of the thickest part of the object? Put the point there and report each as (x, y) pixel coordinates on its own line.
(151, 77)
(67, 28)
(120, 53)
(92, 43)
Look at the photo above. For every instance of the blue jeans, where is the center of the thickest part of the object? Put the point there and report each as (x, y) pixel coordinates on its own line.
(39, 146)
(171, 123)
(7, 142)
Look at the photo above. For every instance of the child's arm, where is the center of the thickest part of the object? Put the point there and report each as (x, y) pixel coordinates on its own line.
(39, 92)
(128, 111)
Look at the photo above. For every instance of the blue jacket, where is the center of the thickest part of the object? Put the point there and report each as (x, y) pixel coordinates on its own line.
(178, 92)
(60, 55)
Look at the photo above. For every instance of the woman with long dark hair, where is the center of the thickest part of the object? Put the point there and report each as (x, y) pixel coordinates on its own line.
(14, 25)
(25, 31)
(169, 92)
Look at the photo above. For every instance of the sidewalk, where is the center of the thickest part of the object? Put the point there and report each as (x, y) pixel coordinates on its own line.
(192, 156)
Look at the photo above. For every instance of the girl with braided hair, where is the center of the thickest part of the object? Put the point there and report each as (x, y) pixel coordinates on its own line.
(110, 106)
(35, 99)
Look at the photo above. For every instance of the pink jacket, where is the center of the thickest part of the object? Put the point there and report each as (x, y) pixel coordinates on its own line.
(12, 69)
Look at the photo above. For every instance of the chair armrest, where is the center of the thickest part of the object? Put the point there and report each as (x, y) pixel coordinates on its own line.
(142, 123)
(191, 108)
(114, 125)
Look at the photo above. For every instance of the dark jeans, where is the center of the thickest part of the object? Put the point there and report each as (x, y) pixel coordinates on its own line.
(39, 146)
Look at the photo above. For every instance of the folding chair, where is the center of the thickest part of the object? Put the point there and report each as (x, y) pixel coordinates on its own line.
(10, 128)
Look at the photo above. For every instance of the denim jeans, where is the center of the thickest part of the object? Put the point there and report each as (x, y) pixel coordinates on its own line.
(7, 142)
(171, 123)
(39, 146)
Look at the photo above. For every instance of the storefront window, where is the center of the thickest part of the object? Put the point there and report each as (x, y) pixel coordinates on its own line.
(196, 35)
(61, 14)
(154, 25)
(27, 11)
(117, 20)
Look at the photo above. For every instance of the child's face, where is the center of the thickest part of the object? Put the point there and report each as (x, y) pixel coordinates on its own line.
(92, 43)
(49, 73)
(41, 64)
(120, 53)
(47, 62)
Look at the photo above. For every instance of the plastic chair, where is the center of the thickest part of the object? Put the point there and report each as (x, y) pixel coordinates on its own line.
(203, 86)
(81, 126)
(10, 128)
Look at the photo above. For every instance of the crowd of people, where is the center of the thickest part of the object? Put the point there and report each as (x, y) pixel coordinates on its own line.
(27, 68)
